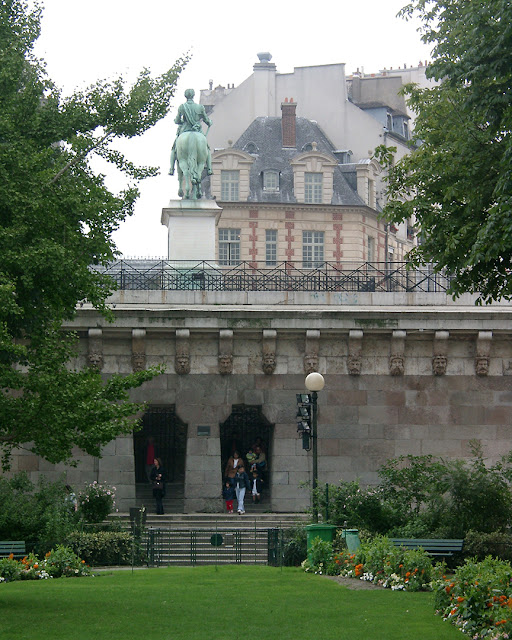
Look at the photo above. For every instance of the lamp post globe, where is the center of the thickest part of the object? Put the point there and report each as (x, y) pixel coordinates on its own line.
(315, 381)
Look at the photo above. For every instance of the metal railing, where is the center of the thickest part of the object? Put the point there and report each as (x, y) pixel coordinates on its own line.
(210, 546)
(284, 276)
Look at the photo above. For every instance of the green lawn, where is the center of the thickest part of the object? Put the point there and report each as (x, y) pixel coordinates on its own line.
(202, 603)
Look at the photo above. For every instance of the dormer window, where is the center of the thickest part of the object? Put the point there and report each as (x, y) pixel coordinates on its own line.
(313, 176)
(230, 181)
(313, 183)
(271, 180)
(250, 147)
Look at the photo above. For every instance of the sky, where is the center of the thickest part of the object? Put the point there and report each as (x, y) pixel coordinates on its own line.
(83, 42)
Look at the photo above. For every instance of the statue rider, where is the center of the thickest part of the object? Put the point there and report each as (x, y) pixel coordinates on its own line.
(189, 118)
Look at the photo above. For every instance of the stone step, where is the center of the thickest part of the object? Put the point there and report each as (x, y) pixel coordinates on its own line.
(227, 521)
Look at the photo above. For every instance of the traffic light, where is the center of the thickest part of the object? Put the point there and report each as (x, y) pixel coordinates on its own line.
(304, 419)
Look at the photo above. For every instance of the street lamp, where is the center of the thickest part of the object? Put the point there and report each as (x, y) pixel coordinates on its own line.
(314, 382)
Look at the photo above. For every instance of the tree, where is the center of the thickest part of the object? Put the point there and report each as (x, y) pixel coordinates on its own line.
(458, 182)
(56, 220)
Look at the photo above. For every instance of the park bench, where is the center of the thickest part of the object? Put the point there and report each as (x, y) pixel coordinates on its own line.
(432, 546)
(16, 547)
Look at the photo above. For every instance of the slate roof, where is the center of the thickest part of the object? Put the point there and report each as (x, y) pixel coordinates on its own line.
(263, 141)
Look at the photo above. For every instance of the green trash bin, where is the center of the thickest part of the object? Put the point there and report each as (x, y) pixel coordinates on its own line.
(325, 532)
(351, 537)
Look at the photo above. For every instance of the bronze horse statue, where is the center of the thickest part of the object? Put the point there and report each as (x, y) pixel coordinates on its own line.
(192, 153)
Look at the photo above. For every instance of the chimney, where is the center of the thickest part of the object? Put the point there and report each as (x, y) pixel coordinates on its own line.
(288, 122)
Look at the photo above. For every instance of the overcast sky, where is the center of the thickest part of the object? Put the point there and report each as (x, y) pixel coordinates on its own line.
(86, 41)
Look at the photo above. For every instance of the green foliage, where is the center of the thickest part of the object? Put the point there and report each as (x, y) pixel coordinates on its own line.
(477, 599)
(58, 563)
(380, 562)
(40, 514)
(421, 496)
(96, 501)
(10, 569)
(294, 546)
(479, 545)
(56, 220)
(358, 507)
(320, 557)
(458, 184)
(62, 562)
(106, 548)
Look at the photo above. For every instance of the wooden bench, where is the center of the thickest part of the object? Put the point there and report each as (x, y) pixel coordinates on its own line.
(16, 547)
(432, 546)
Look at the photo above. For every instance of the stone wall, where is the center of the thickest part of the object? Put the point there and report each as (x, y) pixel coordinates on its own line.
(397, 382)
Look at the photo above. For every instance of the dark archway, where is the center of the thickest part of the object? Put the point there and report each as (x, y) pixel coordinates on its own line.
(169, 436)
(245, 424)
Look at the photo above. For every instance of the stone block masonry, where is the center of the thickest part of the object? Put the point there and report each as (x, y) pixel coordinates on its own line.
(449, 384)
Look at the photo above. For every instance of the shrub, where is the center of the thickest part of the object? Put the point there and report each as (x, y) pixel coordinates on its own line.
(96, 501)
(479, 545)
(294, 546)
(477, 599)
(320, 557)
(63, 562)
(39, 514)
(354, 506)
(10, 569)
(106, 547)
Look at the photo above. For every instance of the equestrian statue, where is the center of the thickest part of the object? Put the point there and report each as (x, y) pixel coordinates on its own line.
(191, 148)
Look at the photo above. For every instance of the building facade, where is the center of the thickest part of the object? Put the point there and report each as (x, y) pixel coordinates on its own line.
(302, 275)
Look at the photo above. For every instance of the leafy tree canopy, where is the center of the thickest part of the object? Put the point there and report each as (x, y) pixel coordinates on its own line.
(56, 219)
(458, 183)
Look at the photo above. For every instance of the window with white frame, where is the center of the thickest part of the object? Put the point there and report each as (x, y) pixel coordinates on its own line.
(229, 246)
(229, 185)
(313, 188)
(270, 247)
(312, 249)
(271, 180)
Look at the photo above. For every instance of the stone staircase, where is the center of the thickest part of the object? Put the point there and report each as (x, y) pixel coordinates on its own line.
(201, 538)
(173, 501)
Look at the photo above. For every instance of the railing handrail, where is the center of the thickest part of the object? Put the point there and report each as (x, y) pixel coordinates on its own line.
(205, 275)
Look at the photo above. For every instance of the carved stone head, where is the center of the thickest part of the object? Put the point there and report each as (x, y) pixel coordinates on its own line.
(396, 365)
(182, 364)
(310, 364)
(482, 365)
(439, 363)
(96, 360)
(225, 364)
(269, 363)
(354, 364)
(138, 361)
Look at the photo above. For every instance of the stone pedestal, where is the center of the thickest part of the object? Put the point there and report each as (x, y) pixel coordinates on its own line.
(192, 229)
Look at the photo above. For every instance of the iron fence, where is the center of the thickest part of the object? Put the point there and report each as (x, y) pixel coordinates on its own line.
(211, 546)
(285, 276)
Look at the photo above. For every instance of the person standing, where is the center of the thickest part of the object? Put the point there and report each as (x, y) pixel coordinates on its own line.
(242, 483)
(232, 465)
(228, 493)
(158, 480)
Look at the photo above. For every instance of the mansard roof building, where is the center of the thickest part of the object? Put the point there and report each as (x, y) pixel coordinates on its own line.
(299, 179)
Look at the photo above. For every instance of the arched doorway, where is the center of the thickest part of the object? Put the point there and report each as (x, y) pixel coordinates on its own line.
(168, 433)
(241, 430)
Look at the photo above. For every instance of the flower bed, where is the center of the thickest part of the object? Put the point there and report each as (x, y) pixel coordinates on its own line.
(60, 562)
(477, 599)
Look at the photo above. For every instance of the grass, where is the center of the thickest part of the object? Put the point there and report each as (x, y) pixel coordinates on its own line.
(192, 603)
